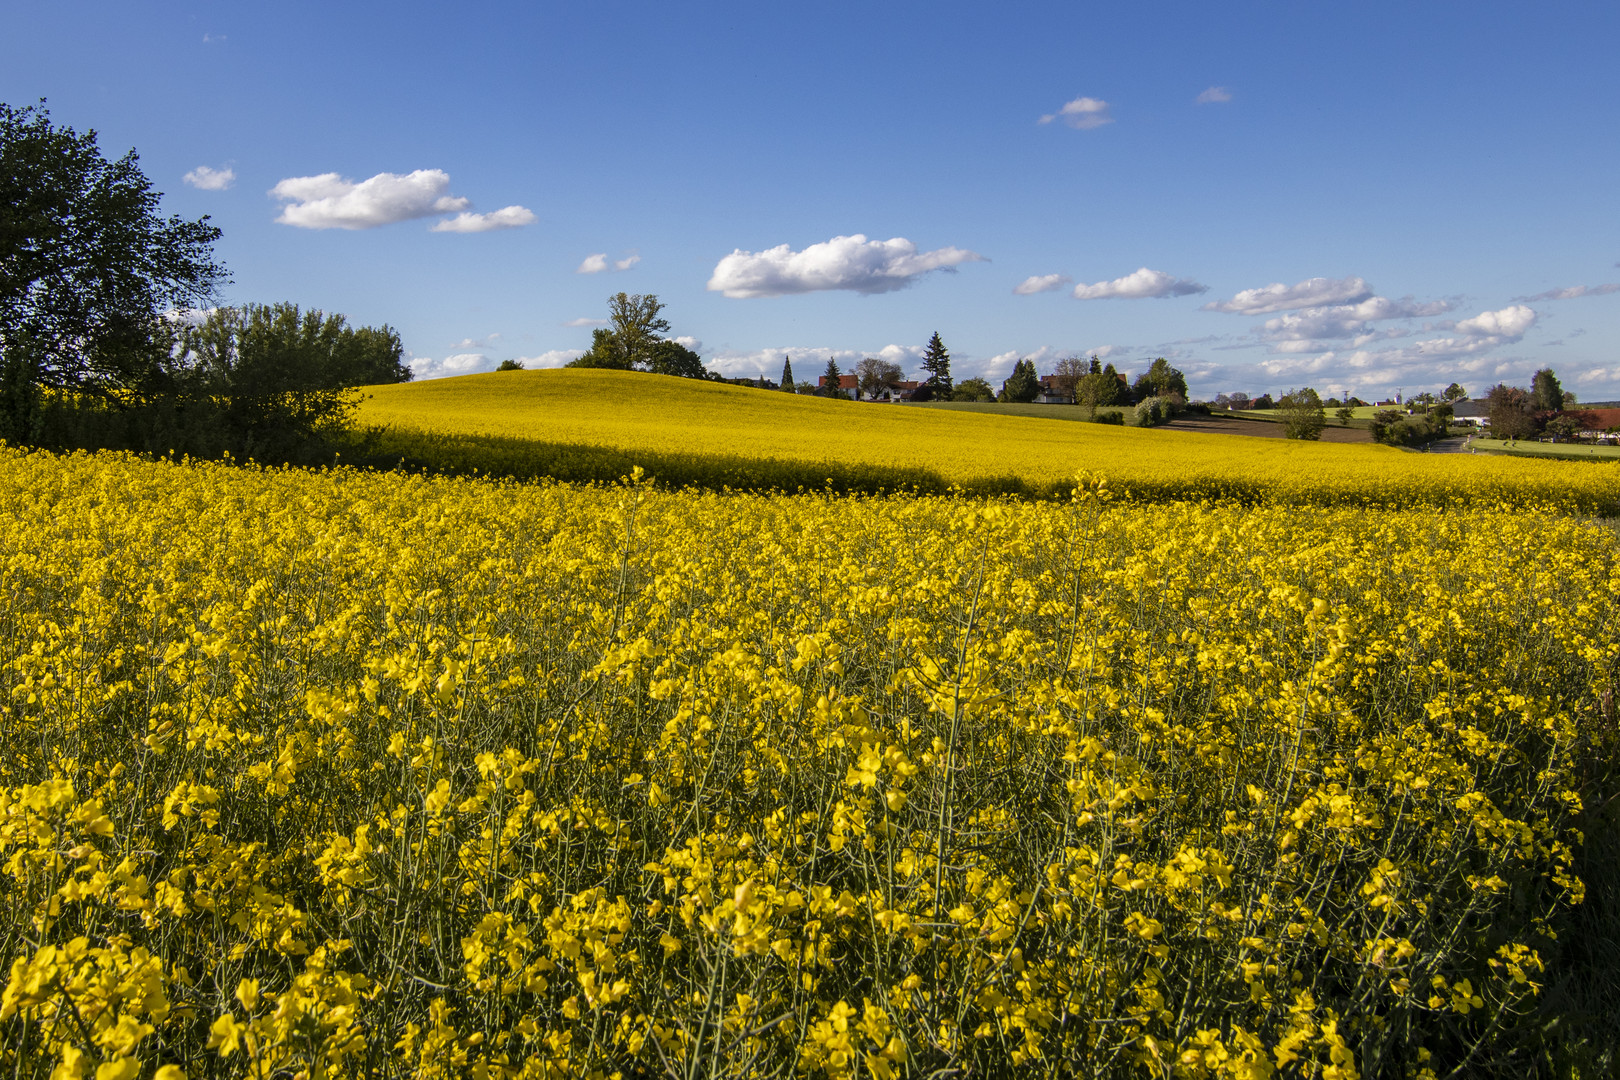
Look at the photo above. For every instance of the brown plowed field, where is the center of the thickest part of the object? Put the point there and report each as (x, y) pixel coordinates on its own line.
(1263, 429)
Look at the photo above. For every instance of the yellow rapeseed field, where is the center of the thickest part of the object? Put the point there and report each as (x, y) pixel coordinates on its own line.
(588, 424)
(344, 774)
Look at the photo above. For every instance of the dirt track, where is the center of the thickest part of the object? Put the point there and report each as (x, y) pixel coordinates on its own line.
(1262, 429)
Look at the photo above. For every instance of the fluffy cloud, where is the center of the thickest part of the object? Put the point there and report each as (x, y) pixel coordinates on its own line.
(1508, 324)
(596, 264)
(1571, 293)
(487, 342)
(1311, 293)
(425, 367)
(1289, 332)
(507, 217)
(207, 179)
(586, 322)
(553, 358)
(852, 263)
(1465, 357)
(1215, 95)
(328, 201)
(1042, 283)
(1083, 113)
(1142, 285)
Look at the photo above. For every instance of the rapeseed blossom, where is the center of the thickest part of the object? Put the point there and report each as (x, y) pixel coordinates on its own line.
(357, 774)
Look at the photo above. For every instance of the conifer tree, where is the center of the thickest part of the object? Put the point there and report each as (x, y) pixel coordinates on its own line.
(829, 379)
(787, 374)
(937, 362)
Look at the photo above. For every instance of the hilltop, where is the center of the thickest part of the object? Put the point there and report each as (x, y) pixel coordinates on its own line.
(596, 425)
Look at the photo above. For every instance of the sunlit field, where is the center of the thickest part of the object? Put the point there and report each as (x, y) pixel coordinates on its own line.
(349, 774)
(596, 425)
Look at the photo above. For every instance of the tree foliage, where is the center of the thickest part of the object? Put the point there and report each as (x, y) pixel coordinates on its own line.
(1023, 385)
(632, 343)
(1546, 393)
(937, 362)
(87, 266)
(1160, 380)
(874, 375)
(1511, 412)
(1303, 416)
(974, 389)
(271, 381)
(829, 380)
(787, 374)
(1100, 386)
(1067, 373)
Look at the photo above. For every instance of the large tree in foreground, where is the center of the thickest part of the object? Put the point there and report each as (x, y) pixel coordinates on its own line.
(87, 266)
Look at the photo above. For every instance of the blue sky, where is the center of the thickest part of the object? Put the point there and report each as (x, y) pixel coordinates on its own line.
(1374, 196)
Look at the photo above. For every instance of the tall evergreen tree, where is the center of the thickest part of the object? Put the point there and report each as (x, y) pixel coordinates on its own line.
(937, 362)
(829, 379)
(787, 374)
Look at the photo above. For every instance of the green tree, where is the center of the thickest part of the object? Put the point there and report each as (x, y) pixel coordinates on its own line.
(974, 389)
(666, 357)
(1160, 380)
(1511, 412)
(787, 374)
(275, 381)
(87, 268)
(1546, 395)
(1066, 376)
(1101, 386)
(1023, 385)
(510, 365)
(1454, 393)
(937, 362)
(1302, 414)
(829, 380)
(627, 344)
(1345, 414)
(874, 375)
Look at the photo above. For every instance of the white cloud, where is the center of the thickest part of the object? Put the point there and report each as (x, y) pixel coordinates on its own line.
(1313, 292)
(1572, 292)
(853, 263)
(553, 358)
(425, 367)
(486, 342)
(1083, 113)
(507, 217)
(1430, 363)
(1345, 321)
(1508, 324)
(597, 263)
(329, 201)
(586, 322)
(1042, 283)
(1215, 95)
(1142, 285)
(206, 179)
